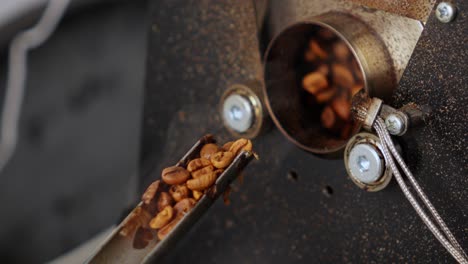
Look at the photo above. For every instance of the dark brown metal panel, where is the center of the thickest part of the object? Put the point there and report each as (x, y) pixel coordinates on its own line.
(295, 207)
(437, 77)
(197, 50)
(416, 9)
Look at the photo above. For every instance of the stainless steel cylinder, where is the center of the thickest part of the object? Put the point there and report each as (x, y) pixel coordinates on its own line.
(297, 121)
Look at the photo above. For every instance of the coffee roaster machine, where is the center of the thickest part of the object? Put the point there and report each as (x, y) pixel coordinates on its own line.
(215, 67)
(228, 68)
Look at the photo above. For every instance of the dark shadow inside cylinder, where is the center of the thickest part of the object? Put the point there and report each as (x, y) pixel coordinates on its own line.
(293, 109)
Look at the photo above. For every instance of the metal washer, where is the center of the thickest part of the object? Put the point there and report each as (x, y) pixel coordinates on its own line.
(242, 110)
(238, 113)
(365, 164)
(377, 174)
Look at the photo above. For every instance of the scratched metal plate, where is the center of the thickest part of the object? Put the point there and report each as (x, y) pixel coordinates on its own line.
(316, 214)
(416, 9)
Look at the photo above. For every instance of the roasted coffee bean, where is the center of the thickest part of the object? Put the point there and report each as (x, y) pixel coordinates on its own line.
(222, 159)
(326, 95)
(184, 206)
(205, 170)
(317, 50)
(341, 51)
(150, 194)
(163, 232)
(227, 145)
(326, 34)
(197, 195)
(342, 108)
(328, 117)
(336, 77)
(239, 145)
(197, 164)
(314, 82)
(179, 192)
(310, 56)
(175, 175)
(202, 183)
(160, 202)
(323, 69)
(208, 150)
(342, 76)
(165, 199)
(162, 218)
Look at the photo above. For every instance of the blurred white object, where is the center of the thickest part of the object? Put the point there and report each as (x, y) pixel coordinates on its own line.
(17, 70)
(11, 9)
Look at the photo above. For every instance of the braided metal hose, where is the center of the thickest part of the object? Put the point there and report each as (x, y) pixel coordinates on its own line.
(419, 190)
(387, 146)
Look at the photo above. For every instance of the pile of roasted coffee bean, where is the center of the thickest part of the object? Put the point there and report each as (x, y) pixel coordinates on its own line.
(166, 201)
(332, 78)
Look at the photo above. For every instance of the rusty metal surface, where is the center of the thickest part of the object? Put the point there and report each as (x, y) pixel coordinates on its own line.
(438, 152)
(198, 49)
(400, 43)
(416, 9)
(295, 207)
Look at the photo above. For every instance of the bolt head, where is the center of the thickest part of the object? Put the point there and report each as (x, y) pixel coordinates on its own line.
(238, 113)
(365, 163)
(396, 124)
(445, 12)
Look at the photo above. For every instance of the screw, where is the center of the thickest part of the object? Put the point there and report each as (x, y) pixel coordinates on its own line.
(445, 12)
(238, 113)
(365, 163)
(235, 113)
(396, 123)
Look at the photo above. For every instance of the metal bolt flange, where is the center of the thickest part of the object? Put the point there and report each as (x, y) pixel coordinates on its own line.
(365, 163)
(397, 123)
(445, 12)
(238, 112)
(242, 111)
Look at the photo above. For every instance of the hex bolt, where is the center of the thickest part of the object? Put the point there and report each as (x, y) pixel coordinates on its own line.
(445, 12)
(365, 163)
(397, 123)
(238, 113)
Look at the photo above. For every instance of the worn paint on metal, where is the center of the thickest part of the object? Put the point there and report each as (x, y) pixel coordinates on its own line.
(198, 48)
(416, 9)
